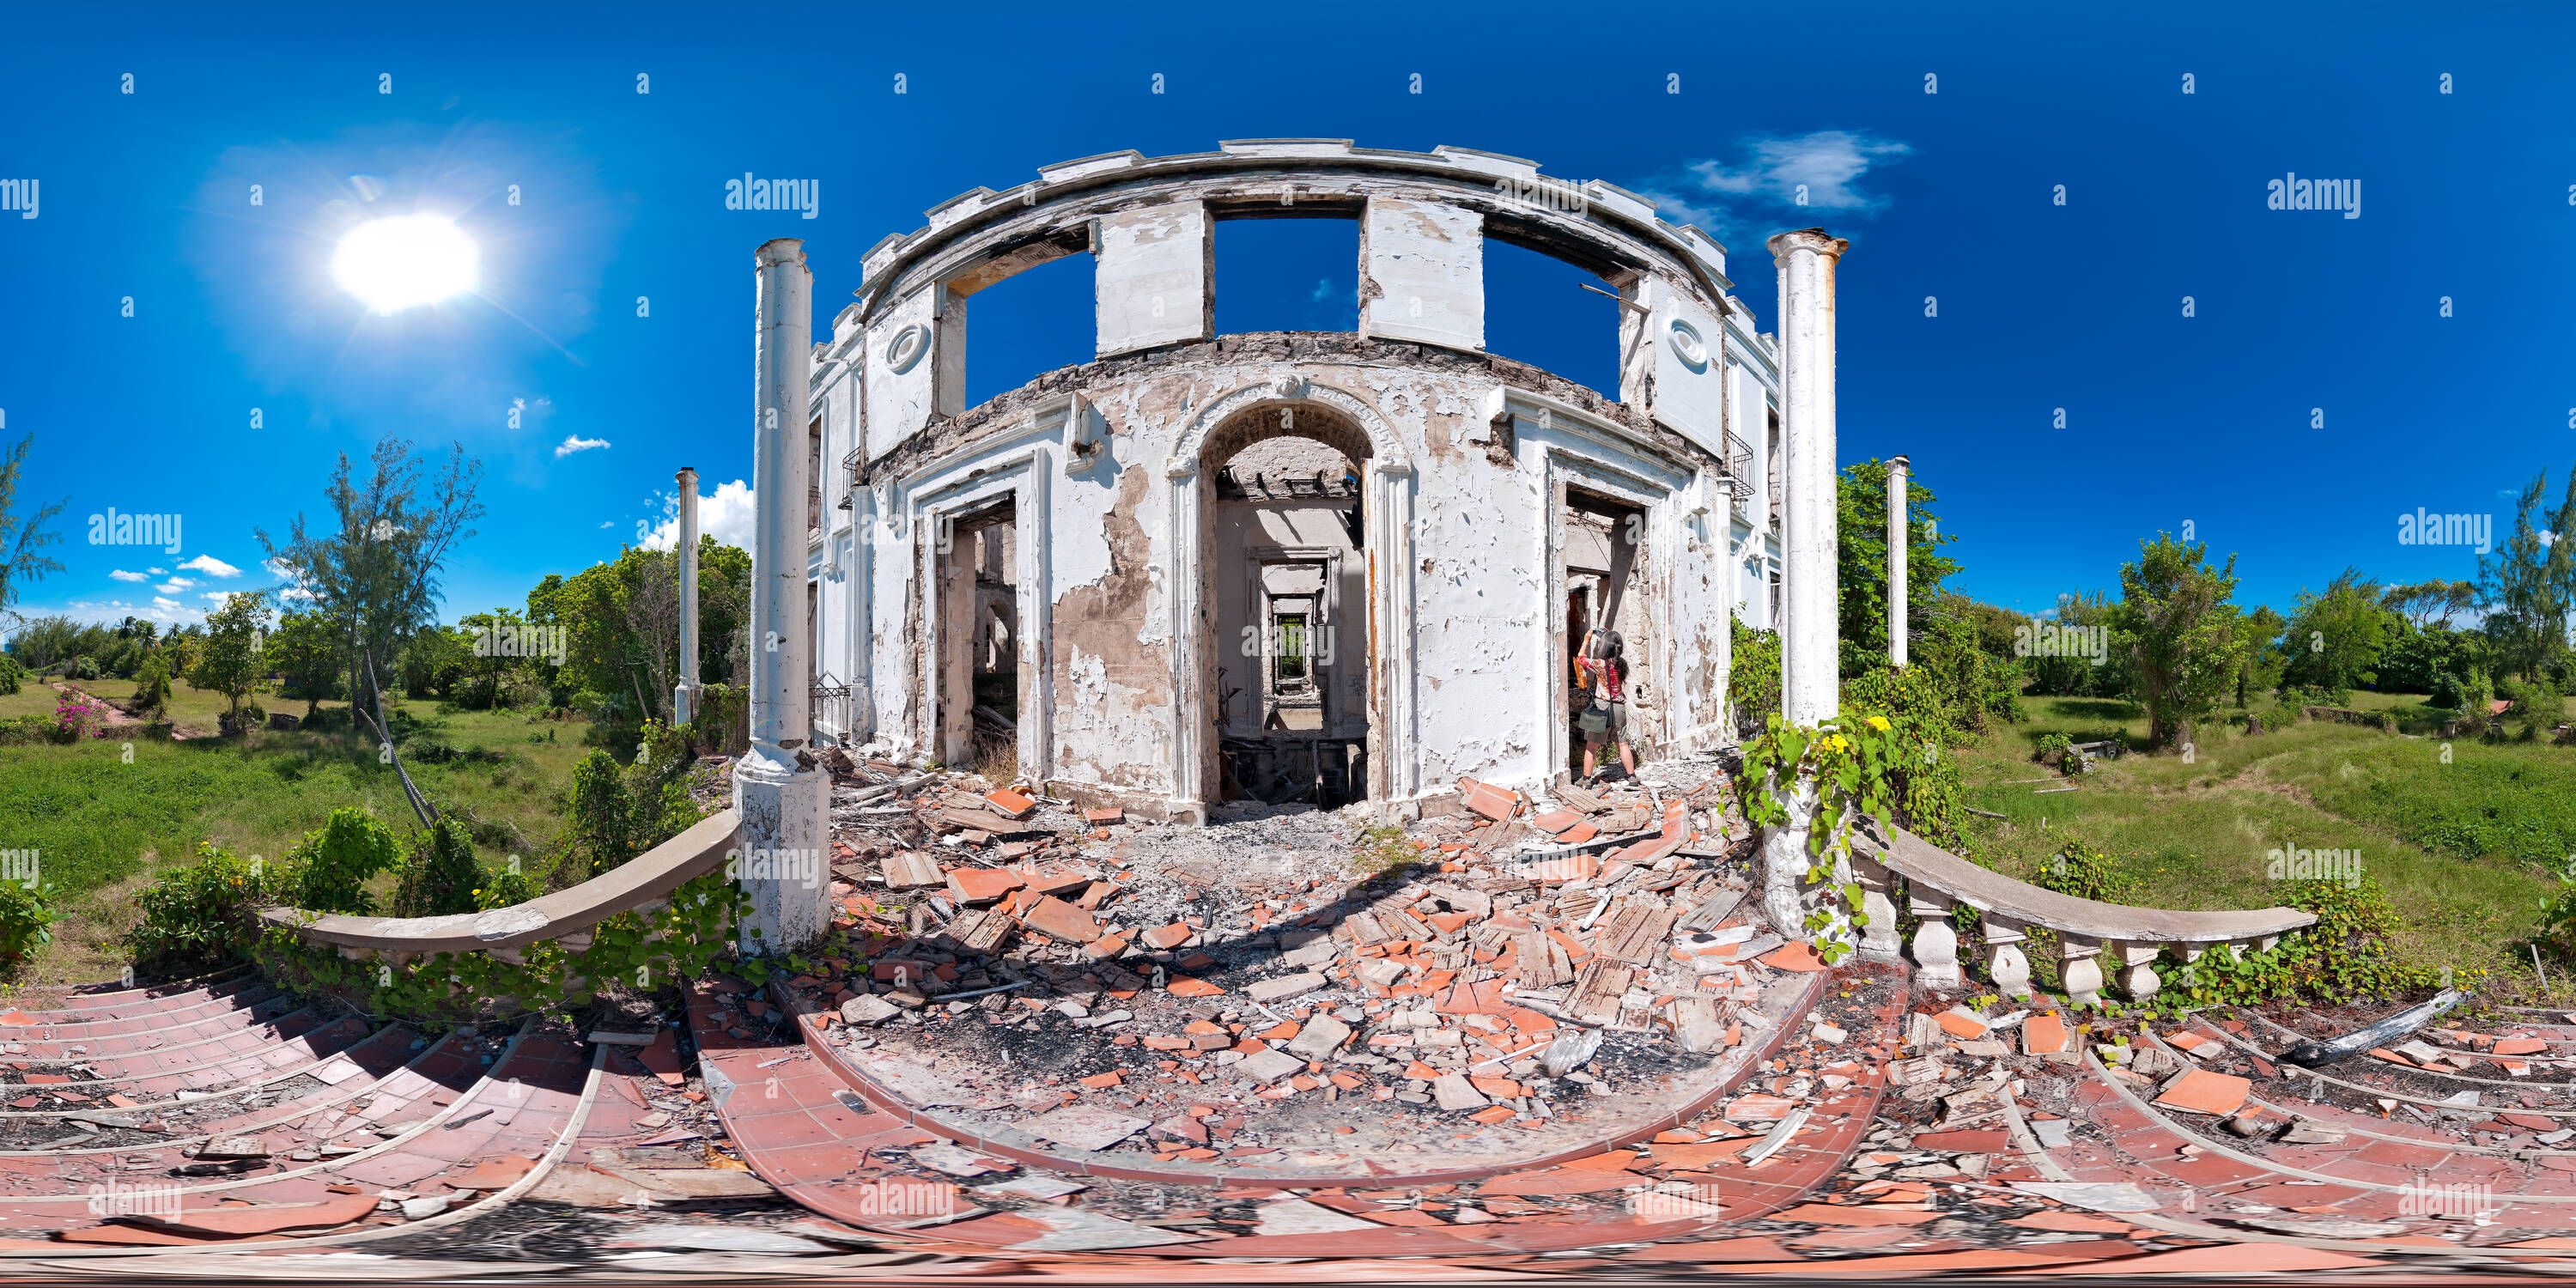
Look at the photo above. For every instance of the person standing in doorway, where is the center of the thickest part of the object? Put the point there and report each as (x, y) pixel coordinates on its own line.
(1602, 676)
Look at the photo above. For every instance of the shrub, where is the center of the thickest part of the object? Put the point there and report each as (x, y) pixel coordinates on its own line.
(152, 685)
(206, 913)
(83, 667)
(1753, 678)
(600, 828)
(27, 919)
(439, 874)
(328, 872)
(504, 886)
(1924, 721)
(26, 729)
(2052, 749)
(11, 674)
(78, 716)
(2537, 704)
(2087, 873)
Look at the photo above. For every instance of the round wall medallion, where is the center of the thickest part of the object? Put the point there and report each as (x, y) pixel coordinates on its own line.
(907, 346)
(1688, 347)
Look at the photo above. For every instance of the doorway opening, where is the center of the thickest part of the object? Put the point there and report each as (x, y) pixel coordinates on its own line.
(1604, 573)
(1287, 583)
(979, 640)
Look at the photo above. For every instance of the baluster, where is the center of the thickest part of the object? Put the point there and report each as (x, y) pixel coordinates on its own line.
(2079, 968)
(1936, 946)
(2004, 960)
(1879, 937)
(2137, 972)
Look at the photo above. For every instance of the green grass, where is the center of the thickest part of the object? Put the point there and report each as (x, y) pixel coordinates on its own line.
(2459, 847)
(103, 825)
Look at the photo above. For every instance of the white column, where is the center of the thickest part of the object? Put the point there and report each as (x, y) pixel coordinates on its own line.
(684, 695)
(1899, 470)
(1810, 667)
(783, 799)
(1810, 671)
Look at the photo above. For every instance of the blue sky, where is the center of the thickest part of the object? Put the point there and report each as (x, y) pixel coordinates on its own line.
(2301, 316)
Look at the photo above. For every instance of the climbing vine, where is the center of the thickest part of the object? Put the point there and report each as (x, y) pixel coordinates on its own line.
(1852, 761)
(678, 939)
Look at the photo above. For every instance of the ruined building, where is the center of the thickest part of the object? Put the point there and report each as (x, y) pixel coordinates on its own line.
(1329, 567)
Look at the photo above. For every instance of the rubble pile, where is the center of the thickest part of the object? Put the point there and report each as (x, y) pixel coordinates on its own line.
(1232, 995)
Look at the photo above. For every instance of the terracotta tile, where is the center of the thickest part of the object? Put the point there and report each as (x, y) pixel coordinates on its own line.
(1057, 919)
(2223, 1259)
(1959, 1026)
(1828, 1214)
(2206, 1092)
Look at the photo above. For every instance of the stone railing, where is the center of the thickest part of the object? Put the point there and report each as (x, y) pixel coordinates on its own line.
(1937, 881)
(641, 883)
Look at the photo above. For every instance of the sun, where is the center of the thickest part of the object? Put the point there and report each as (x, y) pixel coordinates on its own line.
(407, 260)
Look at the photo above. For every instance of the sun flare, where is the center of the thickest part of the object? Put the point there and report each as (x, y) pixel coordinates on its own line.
(396, 263)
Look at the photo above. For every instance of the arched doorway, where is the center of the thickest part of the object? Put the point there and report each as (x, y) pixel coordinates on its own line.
(1285, 594)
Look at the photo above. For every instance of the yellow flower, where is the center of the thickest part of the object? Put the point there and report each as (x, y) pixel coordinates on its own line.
(1879, 723)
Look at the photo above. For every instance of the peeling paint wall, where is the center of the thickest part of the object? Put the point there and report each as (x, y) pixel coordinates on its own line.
(1450, 608)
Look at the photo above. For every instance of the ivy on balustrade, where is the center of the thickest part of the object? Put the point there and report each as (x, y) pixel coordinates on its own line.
(638, 949)
(1853, 762)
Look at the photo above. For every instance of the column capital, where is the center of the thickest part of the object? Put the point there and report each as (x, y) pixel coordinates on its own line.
(1899, 465)
(1815, 239)
(783, 250)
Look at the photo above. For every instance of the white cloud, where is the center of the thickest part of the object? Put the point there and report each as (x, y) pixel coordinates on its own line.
(727, 516)
(167, 605)
(176, 584)
(158, 572)
(1323, 291)
(294, 593)
(1827, 164)
(217, 596)
(575, 443)
(122, 575)
(211, 566)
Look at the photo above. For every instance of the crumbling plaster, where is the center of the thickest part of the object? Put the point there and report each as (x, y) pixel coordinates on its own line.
(1468, 455)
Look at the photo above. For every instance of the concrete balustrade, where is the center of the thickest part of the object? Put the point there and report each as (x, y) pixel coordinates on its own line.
(1936, 882)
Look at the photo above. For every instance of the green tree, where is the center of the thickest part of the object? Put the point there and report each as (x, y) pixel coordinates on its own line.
(2426, 603)
(375, 573)
(23, 538)
(2259, 671)
(2175, 619)
(305, 652)
(2334, 639)
(1860, 499)
(230, 664)
(2529, 585)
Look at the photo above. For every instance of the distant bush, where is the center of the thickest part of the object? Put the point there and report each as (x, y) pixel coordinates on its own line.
(2086, 873)
(12, 675)
(439, 875)
(26, 729)
(1753, 678)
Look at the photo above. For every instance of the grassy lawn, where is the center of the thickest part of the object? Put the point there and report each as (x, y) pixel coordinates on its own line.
(103, 826)
(2459, 846)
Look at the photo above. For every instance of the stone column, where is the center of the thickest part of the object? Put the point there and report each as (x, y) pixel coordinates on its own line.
(1810, 665)
(783, 798)
(1899, 470)
(1810, 670)
(684, 695)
